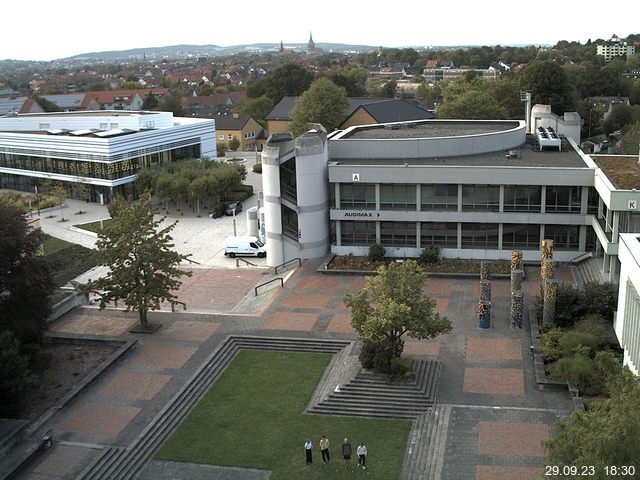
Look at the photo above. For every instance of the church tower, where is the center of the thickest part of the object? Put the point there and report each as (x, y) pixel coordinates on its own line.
(311, 46)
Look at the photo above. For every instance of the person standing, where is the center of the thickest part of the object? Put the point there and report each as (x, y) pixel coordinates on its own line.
(308, 450)
(362, 455)
(346, 452)
(324, 448)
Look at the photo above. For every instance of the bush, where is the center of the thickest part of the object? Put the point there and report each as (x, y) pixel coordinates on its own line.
(574, 339)
(594, 324)
(430, 255)
(257, 168)
(600, 298)
(550, 345)
(400, 369)
(581, 371)
(13, 376)
(376, 252)
(376, 355)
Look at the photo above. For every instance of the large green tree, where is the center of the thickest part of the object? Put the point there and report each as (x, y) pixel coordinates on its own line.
(26, 281)
(549, 85)
(143, 267)
(323, 103)
(392, 304)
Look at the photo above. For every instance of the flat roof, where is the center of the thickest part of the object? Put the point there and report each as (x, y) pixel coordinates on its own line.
(526, 155)
(91, 113)
(622, 170)
(428, 129)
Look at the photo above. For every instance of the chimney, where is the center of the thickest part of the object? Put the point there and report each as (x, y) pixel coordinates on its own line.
(236, 115)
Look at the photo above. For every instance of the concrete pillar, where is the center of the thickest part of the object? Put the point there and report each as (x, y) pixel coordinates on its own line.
(418, 197)
(543, 199)
(516, 260)
(485, 291)
(484, 314)
(338, 233)
(584, 203)
(459, 235)
(500, 233)
(485, 271)
(459, 197)
(517, 276)
(582, 238)
(377, 196)
(272, 205)
(613, 268)
(501, 207)
(549, 302)
(517, 308)
(615, 227)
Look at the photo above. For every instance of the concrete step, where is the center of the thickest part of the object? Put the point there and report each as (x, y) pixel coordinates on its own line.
(327, 409)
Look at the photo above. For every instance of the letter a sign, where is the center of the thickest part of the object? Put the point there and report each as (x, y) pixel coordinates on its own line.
(355, 177)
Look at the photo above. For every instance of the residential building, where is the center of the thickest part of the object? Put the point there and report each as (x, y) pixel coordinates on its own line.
(18, 104)
(615, 47)
(242, 127)
(433, 75)
(103, 149)
(73, 102)
(607, 104)
(126, 99)
(361, 111)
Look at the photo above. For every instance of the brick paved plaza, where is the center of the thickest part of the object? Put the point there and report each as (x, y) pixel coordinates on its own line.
(499, 416)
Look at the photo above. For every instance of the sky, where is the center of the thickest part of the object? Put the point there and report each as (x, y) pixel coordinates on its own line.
(45, 30)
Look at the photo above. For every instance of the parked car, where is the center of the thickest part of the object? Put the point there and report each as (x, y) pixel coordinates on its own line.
(233, 208)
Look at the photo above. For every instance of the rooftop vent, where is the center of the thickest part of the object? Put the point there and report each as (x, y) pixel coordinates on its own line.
(547, 137)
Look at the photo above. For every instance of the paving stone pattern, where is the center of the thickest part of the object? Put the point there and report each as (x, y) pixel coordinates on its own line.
(489, 416)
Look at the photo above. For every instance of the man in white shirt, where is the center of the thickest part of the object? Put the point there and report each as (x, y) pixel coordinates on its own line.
(362, 455)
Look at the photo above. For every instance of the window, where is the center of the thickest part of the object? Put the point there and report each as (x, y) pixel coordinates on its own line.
(439, 197)
(592, 201)
(398, 234)
(522, 198)
(289, 222)
(565, 237)
(520, 236)
(480, 235)
(357, 233)
(563, 199)
(360, 195)
(288, 182)
(398, 197)
(220, 137)
(230, 136)
(484, 198)
(439, 234)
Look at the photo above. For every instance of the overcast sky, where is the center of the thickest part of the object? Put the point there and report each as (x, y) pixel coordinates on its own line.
(46, 30)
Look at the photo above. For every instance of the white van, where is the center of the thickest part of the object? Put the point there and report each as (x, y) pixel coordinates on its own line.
(249, 246)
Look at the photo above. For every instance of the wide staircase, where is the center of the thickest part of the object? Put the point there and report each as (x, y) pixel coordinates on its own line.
(118, 463)
(370, 394)
(589, 270)
(427, 440)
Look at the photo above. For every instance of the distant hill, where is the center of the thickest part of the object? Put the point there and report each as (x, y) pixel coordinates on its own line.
(188, 51)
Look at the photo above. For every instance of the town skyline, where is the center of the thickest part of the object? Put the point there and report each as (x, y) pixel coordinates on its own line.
(495, 22)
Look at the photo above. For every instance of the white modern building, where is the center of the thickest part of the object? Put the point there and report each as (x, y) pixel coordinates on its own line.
(103, 149)
(627, 321)
(615, 47)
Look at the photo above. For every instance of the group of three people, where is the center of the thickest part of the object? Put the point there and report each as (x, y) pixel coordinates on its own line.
(361, 451)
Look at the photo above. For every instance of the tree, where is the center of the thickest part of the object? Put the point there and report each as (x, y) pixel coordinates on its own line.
(393, 304)
(472, 104)
(234, 144)
(630, 143)
(258, 108)
(143, 267)
(287, 80)
(607, 434)
(26, 281)
(150, 102)
(549, 85)
(323, 103)
(172, 103)
(389, 89)
(13, 373)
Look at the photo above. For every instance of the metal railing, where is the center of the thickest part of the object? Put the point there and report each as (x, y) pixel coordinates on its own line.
(238, 260)
(267, 283)
(299, 260)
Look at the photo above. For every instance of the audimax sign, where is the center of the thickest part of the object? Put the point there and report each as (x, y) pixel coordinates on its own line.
(361, 214)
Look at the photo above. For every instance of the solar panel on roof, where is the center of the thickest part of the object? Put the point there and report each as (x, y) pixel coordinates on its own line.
(85, 131)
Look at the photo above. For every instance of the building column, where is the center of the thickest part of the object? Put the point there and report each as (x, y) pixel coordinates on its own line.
(584, 203)
(338, 233)
(582, 238)
(459, 197)
(377, 196)
(336, 187)
(378, 232)
(543, 199)
(613, 268)
(418, 197)
(541, 234)
(500, 231)
(418, 241)
(459, 236)
(615, 228)
(501, 205)
(605, 263)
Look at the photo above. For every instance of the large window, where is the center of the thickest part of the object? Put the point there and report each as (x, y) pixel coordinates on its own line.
(592, 201)
(398, 234)
(522, 198)
(563, 199)
(289, 222)
(565, 237)
(357, 233)
(443, 234)
(480, 235)
(520, 236)
(288, 184)
(485, 198)
(398, 197)
(358, 195)
(439, 197)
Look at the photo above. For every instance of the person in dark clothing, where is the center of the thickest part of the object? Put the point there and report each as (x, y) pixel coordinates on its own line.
(346, 452)
(308, 450)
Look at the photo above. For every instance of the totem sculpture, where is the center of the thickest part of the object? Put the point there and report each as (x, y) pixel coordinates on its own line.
(484, 305)
(484, 314)
(549, 302)
(547, 271)
(517, 298)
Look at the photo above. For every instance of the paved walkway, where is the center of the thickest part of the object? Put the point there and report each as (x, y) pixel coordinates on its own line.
(498, 415)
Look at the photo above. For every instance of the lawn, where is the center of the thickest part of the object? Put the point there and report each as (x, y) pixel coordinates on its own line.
(94, 227)
(69, 259)
(253, 417)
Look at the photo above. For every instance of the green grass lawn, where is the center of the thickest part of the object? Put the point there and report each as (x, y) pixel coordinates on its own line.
(69, 259)
(252, 417)
(94, 226)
